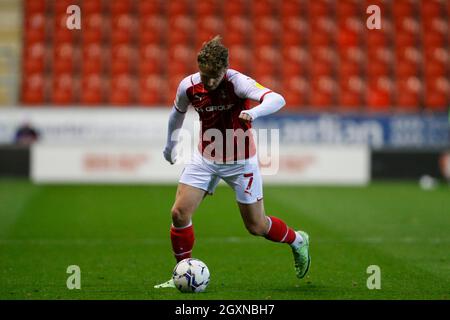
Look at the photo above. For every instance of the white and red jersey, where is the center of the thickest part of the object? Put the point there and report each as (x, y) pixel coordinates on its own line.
(220, 109)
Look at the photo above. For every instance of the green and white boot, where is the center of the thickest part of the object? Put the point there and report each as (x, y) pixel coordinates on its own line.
(302, 258)
(167, 284)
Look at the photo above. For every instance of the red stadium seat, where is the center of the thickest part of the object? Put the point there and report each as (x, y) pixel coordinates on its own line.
(150, 66)
(182, 54)
(149, 8)
(379, 94)
(437, 94)
(119, 7)
(178, 8)
(348, 8)
(152, 90)
(434, 39)
(264, 8)
(408, 62)
(321, 68)
(207, 28)
(92, 90)
(352, 55)
(267, 54)
(292, 39)
(123, 29)
(323, 93)
(377, 38)
(266, 31)
(176, 68)
(122, 90)
(206, 8)
(405, 69)
(323, 61)
(407, 24)
(406, 39)
(235, 8)
(240, 58)
(403, 8)
(237, 30)
(210, 24)
(348, 38)
(292, 69)
(382, 54)
(379, 62)
(152, 29)
(319, 8)
(296, 90)
(435, 69)
(152, 59)
(176, 37)
(296, 54)
(92, 28)
(350, 31)
(321, 39)
(409, 92)
(63, 90)
(123, 57)
(378, 68)
(35, 6)
(435, 24)
(295, 30)
(432, 8)
(35, 58)
(351, 93)
(34, 87)
(63, 58)
(61, 33)
(235, 38)
(264, 70)
(349, 100)
(35, 27)
(350, 68)
(92, 6)
(291, 8)
(94, 59)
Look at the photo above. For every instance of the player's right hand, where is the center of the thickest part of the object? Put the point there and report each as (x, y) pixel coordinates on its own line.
(168, 155)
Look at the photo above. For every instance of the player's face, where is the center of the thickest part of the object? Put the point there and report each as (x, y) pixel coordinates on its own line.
(211, 79)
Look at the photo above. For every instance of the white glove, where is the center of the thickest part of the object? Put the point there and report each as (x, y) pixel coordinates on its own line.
(170, 155)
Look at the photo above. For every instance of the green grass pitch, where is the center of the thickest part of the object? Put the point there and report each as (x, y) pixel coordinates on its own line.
(118, 236)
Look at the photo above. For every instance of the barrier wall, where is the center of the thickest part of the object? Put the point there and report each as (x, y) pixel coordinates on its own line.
(125, 145)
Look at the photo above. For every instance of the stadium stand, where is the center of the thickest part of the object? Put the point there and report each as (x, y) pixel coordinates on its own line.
(318, 53)
(10, 49)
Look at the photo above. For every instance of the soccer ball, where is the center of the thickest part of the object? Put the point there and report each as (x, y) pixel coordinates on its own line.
(191, 275)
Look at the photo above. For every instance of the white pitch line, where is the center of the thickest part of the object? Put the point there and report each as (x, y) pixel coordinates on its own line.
(249, 239)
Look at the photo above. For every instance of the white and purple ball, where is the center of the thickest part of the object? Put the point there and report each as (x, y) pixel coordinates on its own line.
(191, 275)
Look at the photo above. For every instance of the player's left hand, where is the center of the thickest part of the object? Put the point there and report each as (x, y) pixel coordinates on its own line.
(168, 155)
(245, 116)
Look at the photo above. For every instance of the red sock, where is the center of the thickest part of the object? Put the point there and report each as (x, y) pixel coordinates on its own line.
(280, 232)
(182, 241)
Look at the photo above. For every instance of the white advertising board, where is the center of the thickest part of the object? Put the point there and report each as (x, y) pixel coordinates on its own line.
(348, 165)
